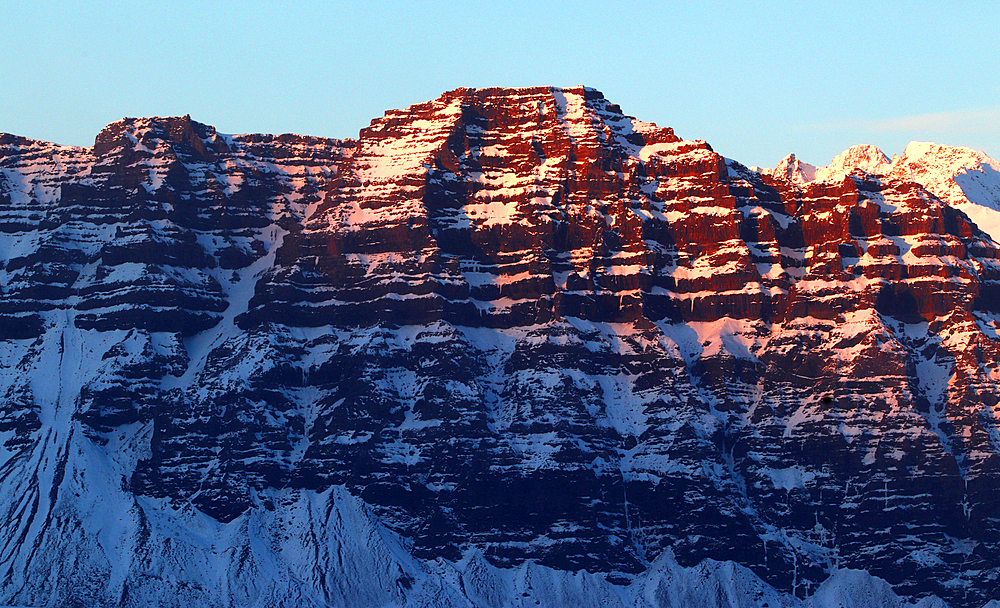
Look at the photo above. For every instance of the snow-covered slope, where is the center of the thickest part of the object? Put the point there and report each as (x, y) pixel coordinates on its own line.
(964, 178)
(510, 347)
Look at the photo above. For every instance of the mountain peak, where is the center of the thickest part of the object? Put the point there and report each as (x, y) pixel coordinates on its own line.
(956, 175)
(196, 139)
(792, 169)
(864, 156)
(924, 148)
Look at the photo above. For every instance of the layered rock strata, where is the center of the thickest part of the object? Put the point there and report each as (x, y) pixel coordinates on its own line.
(513, 323)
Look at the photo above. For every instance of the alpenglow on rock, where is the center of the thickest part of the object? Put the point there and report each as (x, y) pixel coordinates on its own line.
(509, 345)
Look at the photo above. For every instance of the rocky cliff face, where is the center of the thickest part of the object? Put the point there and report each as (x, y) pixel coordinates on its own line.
(504, 336)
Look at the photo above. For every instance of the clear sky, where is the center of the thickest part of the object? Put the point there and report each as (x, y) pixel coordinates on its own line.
(757, 80)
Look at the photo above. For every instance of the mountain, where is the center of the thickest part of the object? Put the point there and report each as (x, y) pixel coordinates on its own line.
(964, 178)
(508, 347)
(791, 169)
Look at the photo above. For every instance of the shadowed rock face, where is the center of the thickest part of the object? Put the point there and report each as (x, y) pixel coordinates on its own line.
(513, 320)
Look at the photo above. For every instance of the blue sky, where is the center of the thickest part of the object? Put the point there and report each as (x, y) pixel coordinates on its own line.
(755, 79)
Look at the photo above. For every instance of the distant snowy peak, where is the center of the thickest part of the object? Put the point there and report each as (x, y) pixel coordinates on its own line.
(962, 177)
(955, 174)
(866, 157)
(939, 158)
(792, 169)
